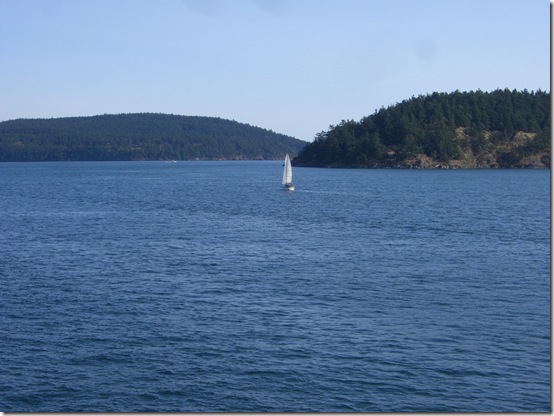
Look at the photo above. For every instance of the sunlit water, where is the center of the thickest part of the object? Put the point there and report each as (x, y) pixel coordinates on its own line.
(203, 287)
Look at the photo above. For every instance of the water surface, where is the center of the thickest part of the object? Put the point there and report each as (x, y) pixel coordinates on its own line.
(203, 287)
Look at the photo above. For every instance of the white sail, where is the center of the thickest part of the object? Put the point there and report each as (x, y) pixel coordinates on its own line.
(287, 172)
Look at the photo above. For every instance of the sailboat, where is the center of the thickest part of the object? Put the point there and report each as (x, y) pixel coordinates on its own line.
(287, 175)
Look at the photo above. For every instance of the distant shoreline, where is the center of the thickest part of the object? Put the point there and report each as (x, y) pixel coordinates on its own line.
(140, 136)
(376, 166)
(422, 162)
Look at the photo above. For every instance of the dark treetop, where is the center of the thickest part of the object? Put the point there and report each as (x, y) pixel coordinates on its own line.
(500, 129)
(144, 136)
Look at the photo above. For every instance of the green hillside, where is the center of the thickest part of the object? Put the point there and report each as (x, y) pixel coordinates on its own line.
(477, 129)
(144, 136)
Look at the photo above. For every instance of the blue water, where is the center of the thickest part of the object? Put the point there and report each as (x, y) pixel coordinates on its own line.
(203, 287)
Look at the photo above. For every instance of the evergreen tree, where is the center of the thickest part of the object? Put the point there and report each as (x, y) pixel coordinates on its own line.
(139, 137)
(441, 126)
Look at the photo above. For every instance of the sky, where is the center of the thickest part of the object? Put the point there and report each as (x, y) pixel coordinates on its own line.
(293, 66)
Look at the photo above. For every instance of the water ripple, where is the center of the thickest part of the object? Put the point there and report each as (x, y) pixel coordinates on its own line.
(121, 294)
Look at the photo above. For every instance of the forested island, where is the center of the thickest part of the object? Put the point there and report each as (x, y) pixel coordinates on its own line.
(144, 136)
(476, 129)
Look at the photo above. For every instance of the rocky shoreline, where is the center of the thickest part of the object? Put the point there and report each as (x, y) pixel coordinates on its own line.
(421, 161)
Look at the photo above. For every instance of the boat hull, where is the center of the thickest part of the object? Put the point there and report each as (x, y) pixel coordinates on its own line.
(288, 187)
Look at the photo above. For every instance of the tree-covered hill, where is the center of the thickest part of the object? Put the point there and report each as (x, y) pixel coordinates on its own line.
(144, 136)
(473, 129)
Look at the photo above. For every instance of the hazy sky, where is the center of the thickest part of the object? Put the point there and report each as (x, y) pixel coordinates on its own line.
(293, 66)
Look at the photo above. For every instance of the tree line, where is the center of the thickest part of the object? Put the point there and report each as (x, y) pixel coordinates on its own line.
(144, 136)
(485, 126)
